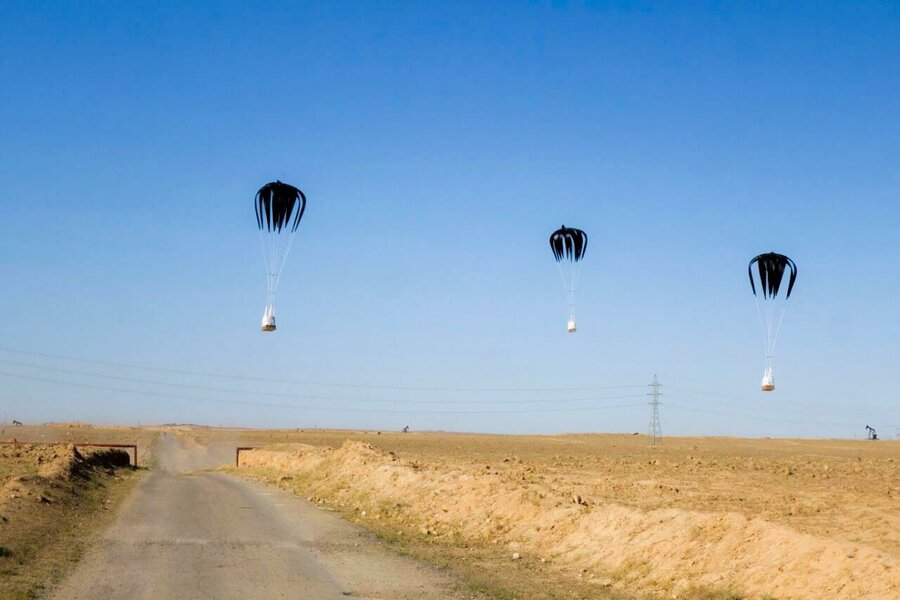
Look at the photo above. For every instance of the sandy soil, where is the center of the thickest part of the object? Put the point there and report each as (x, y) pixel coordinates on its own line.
(696, 517)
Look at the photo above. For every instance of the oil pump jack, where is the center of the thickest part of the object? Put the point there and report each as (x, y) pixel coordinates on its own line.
(870, 433)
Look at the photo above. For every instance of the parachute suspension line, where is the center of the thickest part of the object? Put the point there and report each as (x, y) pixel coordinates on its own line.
(778, 328)
(569, 277)
(268, 249)
(766, 310)
(770, 324)
(287, 250)
(265, 244)
(762, 324)
(275, 259)
(268, 319)
(576, 271)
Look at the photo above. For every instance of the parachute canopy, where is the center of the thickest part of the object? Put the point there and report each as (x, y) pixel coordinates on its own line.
(275, 203)
(771, 267)
(568, 243)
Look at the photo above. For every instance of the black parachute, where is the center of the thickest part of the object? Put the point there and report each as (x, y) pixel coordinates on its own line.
(772, 267)
(279, 208)
(275, 203)
(568, 243)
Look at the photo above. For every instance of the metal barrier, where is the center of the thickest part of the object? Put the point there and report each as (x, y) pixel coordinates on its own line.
(237, 453)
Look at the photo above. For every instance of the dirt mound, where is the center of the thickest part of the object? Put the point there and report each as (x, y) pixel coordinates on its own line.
(49, 496)
(669, 550)
(73, 463)
(45, 466)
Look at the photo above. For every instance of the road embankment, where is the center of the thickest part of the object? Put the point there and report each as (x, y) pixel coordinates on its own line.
(515, 530)
(52, 500)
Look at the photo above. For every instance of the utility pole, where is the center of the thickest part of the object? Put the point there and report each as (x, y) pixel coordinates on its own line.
(655, 432)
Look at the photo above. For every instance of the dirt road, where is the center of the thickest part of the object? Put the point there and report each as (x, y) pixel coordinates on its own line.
(209, 535)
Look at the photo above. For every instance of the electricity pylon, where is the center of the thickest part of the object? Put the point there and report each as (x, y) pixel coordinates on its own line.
(655, 432)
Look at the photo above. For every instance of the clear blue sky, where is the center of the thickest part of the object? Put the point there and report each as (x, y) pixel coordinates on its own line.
(439, 145)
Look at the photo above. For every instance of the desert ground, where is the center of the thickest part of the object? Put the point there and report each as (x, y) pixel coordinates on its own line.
(564, 516)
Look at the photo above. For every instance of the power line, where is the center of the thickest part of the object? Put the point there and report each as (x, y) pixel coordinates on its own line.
(754, 406)
(304, 396)
(798, 405)
(308, 407)
(758, 417)
(306, 382)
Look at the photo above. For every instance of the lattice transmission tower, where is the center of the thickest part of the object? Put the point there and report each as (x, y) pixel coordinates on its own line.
(655, 431)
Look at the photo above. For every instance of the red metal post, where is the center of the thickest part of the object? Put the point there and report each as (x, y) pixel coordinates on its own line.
(237, 454)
